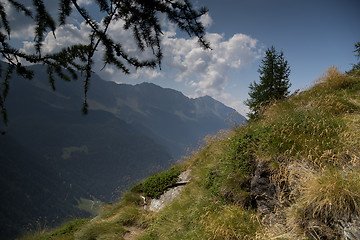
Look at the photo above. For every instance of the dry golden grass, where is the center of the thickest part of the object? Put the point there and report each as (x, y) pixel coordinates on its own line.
(332, 79)
(331, 195)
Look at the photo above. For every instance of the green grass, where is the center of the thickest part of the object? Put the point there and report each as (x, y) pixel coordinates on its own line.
(65, 232)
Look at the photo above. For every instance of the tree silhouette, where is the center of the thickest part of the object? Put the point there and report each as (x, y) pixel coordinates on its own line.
(274, 82)
(139, 16)
(356, 67)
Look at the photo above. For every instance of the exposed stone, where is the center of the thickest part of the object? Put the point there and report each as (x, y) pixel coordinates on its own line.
(166, 198)
(263, 191)
(171, 194)
(351, 230)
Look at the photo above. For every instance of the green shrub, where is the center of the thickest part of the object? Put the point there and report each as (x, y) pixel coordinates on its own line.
(156, 185)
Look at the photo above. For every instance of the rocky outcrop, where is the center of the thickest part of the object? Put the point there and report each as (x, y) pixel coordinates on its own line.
(263, 192)
(171, 194)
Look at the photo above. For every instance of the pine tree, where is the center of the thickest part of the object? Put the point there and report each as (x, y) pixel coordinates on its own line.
(139, 16)
(274, 82)
(356, 67)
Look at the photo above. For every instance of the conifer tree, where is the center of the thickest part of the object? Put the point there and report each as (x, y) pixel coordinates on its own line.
(139, 16)
(274, 82)
(356, 67)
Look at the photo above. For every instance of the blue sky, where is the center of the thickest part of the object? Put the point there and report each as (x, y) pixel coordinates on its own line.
(313, 34)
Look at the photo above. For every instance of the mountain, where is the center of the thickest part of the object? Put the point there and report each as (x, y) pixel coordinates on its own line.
(52, 156)
(165, 115)
(294, 173)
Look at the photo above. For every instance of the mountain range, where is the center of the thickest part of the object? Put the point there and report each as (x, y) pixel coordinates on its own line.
(52, 156)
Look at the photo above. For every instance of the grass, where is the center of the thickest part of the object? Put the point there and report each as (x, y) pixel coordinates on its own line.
(65, 232)
(310, 143)
(331, 195)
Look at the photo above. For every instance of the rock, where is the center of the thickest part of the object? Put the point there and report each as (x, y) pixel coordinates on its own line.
(263, 191)
(171, 194)
(351, 230)
(185, 176)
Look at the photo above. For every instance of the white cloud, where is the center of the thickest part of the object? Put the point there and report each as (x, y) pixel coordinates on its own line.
(206, 20)
(84, 2)
(147, 73)
(207, 71)
(239, 106)
(23, 27)
(66, 35)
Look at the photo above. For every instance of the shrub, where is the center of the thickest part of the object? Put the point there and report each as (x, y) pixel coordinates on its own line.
(156, 185)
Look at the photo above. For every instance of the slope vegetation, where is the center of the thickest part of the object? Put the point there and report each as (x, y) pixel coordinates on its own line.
(293, 174)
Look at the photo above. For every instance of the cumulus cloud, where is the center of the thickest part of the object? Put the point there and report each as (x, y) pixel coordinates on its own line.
(66, 35)
(84, 2)
(206, 20)
(207, 71)
(23, 27)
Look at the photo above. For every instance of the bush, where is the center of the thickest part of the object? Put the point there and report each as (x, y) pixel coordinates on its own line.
(156, 185)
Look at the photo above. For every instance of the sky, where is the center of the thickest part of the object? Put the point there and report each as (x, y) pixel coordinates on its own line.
(313, 35)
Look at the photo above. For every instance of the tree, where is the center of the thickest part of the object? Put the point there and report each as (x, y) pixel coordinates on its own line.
(139, 16)
(356, 67)
(274, 82)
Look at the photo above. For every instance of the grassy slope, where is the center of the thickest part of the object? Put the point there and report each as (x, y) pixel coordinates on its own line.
(310, 146)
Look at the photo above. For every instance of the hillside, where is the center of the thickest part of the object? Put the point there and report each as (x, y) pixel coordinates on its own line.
(294, 174)
(54, 160)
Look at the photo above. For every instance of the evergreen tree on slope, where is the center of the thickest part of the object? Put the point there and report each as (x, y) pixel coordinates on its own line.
(274, 82)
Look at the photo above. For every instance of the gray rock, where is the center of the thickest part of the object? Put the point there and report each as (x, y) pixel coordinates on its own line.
(351, 230)
(263, 191)
(171, 194)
